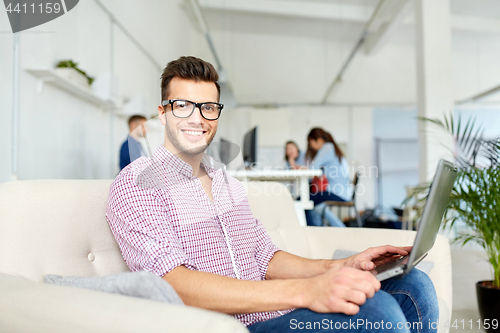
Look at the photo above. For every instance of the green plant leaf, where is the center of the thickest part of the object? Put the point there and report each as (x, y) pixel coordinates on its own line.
(71, 64)
(475, 198)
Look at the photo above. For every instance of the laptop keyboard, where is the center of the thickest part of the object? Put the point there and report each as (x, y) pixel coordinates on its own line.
(391, 264)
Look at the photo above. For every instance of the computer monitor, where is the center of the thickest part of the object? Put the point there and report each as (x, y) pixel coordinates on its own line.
(250, 147)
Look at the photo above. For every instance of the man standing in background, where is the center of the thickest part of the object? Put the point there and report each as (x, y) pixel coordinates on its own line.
(132, 149)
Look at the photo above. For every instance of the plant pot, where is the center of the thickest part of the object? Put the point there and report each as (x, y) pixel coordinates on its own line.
(73, 75)
(488, 301)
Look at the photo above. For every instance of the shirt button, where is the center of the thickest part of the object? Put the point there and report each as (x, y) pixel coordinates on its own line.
(91, 257)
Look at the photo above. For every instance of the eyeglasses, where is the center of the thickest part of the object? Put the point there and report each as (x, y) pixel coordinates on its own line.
(182, 108)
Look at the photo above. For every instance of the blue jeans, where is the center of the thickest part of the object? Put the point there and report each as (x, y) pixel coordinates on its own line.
(320, 197)
(402, 305)
(315, 216)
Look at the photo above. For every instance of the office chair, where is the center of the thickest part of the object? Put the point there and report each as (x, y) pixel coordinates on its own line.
(349, 204)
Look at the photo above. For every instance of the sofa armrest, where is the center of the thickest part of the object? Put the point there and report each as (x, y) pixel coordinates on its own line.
(27, 306)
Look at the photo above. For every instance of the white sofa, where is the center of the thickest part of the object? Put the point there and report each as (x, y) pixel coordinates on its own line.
(59, 227)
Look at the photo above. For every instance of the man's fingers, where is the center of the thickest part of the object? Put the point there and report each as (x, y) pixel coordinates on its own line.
(355, 272)
(403, 250)
(368, 288)
(359, 280)
(365, 265)
(344, 290)
(388, 250)
(383, 260)
(368, 265)
(355, 296)
(346, 307)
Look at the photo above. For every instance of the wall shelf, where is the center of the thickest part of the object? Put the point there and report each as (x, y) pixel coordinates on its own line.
(50, 76)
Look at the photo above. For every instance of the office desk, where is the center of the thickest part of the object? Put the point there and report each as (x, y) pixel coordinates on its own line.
(301, 188)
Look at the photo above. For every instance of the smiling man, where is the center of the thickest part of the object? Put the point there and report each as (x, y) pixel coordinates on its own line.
(178, 216)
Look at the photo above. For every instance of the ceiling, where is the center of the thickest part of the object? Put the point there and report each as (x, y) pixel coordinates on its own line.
(297, 47)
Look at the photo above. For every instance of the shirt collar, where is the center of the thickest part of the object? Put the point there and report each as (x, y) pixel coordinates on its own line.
(173, 162)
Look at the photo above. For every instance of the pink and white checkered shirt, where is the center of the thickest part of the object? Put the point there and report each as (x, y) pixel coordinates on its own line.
(162, 218)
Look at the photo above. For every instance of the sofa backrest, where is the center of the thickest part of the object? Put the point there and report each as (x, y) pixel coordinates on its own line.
(57, 227)
(60, 227)
(272, 204)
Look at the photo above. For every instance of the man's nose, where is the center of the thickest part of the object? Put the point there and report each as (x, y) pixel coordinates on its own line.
(196, 117)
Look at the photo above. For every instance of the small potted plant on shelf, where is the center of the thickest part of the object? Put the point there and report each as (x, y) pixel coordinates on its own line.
(70, 70)
(475, 200)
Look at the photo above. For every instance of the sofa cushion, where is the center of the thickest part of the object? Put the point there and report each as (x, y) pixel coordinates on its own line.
(135, 284)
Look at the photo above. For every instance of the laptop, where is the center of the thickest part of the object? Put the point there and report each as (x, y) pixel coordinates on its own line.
(428, 228)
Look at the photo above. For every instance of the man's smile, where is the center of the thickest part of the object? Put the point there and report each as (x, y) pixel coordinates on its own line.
(193, 134)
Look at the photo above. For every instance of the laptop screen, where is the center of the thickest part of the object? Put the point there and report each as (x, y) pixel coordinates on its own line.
(434, 209)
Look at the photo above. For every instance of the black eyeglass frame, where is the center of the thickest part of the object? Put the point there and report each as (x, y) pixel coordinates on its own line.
(196, 105)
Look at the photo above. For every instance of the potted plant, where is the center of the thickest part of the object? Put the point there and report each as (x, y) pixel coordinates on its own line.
(475, 200)
(70, 70)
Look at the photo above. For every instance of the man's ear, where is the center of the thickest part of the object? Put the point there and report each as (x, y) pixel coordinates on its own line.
(162, 115)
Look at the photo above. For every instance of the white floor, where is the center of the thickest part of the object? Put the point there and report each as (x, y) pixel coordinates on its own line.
(469, 266)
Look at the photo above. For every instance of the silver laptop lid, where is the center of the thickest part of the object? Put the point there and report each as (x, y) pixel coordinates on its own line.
(435, 206)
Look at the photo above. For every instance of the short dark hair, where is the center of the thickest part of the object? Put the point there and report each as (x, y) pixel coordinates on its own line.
(134, 118)
(190, 68)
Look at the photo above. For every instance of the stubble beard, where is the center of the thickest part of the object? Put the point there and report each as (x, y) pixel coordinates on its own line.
(173, 138)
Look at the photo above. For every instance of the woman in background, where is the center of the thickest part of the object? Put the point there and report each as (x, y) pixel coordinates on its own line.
(294, 158)
(323, 153)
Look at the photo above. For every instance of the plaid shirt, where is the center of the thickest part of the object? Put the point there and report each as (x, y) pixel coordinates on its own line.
(162, 218)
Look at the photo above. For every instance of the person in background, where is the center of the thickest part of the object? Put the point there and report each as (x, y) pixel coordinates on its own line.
(132, 149)
(294, 158)
(323, 153)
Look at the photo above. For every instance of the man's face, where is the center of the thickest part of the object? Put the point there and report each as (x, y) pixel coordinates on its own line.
(139, 128)
(190, 135)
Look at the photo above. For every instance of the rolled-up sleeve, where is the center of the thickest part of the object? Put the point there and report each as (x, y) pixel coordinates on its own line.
(142, 230)
(265, 248)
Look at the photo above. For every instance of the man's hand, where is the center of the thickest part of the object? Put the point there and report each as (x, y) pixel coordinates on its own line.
(340, 290)
(291, 282)
(376, 256)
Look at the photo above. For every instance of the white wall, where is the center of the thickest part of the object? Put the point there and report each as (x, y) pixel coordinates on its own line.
(487, 117)
(276, 59)
(397, 153)
(475, 64)
(269, 59)
(351, 127)
(6, 46)
(285, 60)
(61, 135)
